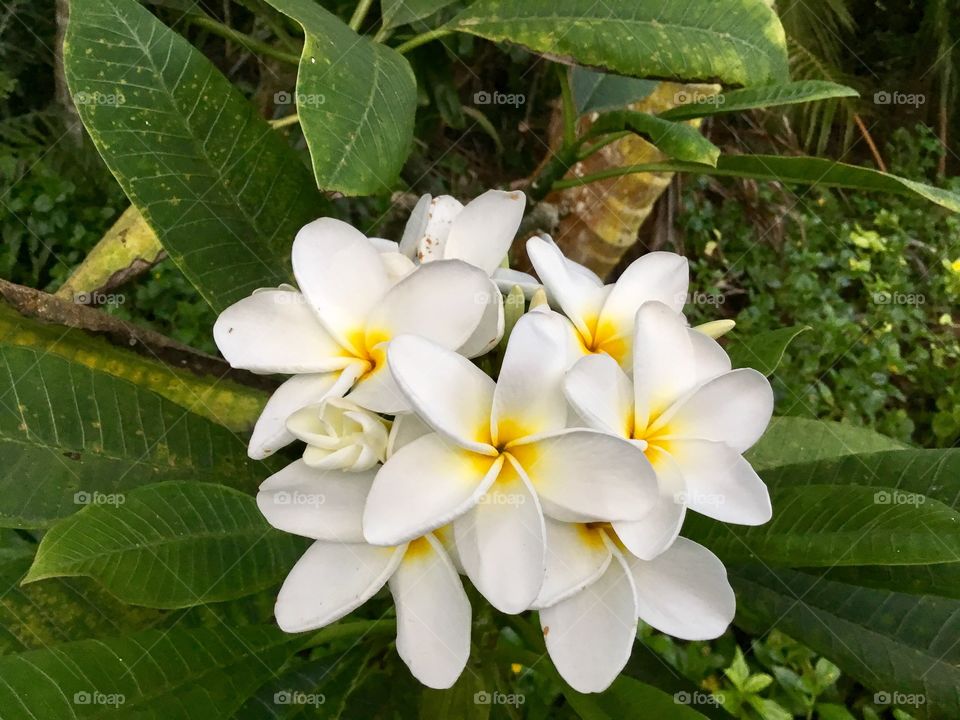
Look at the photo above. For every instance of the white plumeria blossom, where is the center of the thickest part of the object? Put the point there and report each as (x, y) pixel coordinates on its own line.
(340, 435)
(480, 233)
(595, 590)
(694, 416)
(340, 571)
(500, 458)
(601, 316)
(332, 334)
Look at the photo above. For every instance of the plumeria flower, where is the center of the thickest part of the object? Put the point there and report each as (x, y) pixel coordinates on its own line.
(595, 590)
(480, 233)
(332, 334)
(601, 316)
(340, 571)
(340, 435)
(499, 459)
(693, 415)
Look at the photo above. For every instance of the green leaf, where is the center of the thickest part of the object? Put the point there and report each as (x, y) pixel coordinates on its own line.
(171, 545)
(37, 616)
(70, 436)
(763, 96)
(885, 509)
(175, 674)
(790, 440)
(816, 172)
(469, 699)
(356, 100)
(223, 192)
(764, 351)
(595, 91)
(678, 140)
(626, 695)
(894, 643)
(213, 396)
(735, 42)
(942, 579)
(404, 12)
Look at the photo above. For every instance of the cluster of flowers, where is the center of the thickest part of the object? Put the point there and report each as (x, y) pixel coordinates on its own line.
(561, 486)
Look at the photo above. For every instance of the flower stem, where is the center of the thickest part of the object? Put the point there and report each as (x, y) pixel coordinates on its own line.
(419, 40)
(341, 631)
(569, 108)
(363, 7)
(251, 44)
(284, 121)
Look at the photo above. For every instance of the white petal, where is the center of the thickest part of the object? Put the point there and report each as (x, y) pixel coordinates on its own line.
(588, 476)
(416, 226)
(446, 390)
(483, 231)
(377, 390)
(270, 433)
(710, 359)
(577, 555)
(734, 408)
(275, 331)
(720, 483)
(441, 301)
(660, 276)
(341, 274)
(501, 542)
(590, 635)
(490, 329)
(332, 580)
(406, 428)
(397, 266)
(574, 293)
(430, 239)
(716, 328)
(663, 361)
(601, 394)
(529, 395)
(384, 246)
(324, 505)
(423, 486)
(684, 592)
(506, 279)
(433, 614)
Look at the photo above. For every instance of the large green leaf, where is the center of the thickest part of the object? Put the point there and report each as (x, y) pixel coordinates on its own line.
(37, 616)
(816, 172)
(223, 192)
(209, 395)
(171, 545)
(898, 644)
(356, 100)
(595, 91)
(888, 508)
(404, 12)
(70, 436)
(176, 674)
(736, 42)
(678, 140)
(627, 695)
(762, 96)
(790, 440)
(765, 351)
